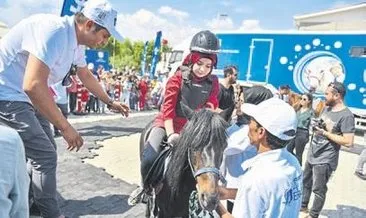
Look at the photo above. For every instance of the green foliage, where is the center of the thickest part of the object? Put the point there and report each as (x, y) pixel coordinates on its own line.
(128, 53)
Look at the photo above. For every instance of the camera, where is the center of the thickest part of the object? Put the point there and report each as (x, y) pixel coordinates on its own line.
(319, 123)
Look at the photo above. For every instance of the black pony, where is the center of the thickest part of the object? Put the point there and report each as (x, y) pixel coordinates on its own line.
(194, 163)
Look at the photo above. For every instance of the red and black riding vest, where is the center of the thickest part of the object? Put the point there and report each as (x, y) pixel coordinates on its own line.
(194, 94)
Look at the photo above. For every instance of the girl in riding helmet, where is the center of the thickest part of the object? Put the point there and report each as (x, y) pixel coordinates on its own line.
(195, 86)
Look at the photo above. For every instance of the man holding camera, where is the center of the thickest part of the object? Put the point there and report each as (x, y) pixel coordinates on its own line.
(334, 129)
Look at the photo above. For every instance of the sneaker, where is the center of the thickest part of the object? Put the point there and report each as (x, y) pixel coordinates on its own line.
(136, 196)
(360, 175)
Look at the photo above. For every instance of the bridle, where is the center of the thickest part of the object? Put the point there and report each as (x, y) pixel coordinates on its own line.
(203, 170)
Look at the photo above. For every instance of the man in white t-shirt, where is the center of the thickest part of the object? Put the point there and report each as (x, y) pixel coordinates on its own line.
(36, 53)
(271, 185)
(239, 149)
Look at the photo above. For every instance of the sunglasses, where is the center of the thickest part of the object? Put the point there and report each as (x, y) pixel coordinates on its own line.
(334, 87)
(67, 81)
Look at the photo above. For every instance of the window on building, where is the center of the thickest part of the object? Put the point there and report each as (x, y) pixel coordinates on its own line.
(358, 51)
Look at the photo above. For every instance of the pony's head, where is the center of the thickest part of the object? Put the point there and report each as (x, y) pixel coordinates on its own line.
(202, 143)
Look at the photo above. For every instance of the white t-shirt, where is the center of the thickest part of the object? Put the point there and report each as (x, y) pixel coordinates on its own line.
(270, 187)
(50, 38)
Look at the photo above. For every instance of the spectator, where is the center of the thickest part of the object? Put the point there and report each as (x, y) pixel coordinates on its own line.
(102, 82)
(284, 92)
(360, 165)
(226, 95)
(334, 129)
(126, 88)
(304, 114)
(14, 181)
(134, 95)
(143, 89)
(271, 184)
(72, 89)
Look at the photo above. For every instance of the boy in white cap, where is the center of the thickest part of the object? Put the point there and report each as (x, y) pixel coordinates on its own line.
(272, 182)
(36, 53)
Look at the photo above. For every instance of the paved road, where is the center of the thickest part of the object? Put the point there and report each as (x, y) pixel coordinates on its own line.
(88, 191)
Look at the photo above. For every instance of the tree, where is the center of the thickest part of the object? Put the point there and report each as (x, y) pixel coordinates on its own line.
(129, 53)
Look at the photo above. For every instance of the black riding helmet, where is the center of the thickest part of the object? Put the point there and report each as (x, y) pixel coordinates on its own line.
(205, 42)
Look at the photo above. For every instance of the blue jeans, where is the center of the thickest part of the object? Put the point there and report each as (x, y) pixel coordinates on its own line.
(14, 182)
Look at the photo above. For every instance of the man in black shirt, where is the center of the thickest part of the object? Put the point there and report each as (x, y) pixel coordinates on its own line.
(226, 95)
(335, 128)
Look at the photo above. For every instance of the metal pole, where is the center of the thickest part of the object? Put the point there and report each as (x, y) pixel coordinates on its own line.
(114, 52)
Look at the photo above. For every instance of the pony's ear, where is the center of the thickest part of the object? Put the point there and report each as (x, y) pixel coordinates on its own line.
(187, 111)
(226, 114)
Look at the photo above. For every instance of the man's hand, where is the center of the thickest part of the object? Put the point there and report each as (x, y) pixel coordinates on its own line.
(319, 131)
(119, 107)
(72, 138)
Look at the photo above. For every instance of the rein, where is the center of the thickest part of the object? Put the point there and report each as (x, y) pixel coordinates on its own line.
(205, 170)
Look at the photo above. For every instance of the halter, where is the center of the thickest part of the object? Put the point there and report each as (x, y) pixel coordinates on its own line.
(205, 170)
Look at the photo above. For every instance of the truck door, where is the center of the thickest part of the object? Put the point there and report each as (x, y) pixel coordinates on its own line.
(260, 57)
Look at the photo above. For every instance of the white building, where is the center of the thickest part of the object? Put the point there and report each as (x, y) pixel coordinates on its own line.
(352, 18)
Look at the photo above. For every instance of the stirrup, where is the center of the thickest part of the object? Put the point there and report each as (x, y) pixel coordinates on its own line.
(136, 196)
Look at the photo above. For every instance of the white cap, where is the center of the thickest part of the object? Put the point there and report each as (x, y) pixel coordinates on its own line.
(102, 13)
(275, 115)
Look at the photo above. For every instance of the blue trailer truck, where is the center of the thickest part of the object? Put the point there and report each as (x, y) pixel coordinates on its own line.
(299, 59)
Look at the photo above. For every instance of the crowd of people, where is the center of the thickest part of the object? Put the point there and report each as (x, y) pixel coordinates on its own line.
(264, 174)
(138, 92)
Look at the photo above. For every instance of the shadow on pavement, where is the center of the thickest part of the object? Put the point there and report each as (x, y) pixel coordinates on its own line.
(105, 130)
(99, 205)
(345, 211)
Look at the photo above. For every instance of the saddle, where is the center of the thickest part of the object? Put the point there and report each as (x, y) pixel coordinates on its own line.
(157, 171)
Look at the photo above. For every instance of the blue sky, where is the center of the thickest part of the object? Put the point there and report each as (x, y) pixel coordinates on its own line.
(140, 19)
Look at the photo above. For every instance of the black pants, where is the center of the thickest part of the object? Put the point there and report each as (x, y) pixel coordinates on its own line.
(72, 101)
(299, 143)
(91, 105)
(315, 180)
(152, 150)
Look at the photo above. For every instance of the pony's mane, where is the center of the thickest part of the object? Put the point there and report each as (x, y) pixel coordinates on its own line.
(204, 129)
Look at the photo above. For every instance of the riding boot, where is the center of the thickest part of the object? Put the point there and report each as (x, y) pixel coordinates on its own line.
(149, 155)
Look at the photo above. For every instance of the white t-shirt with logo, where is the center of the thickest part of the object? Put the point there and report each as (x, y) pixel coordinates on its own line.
(50, 38)
(270, 187)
